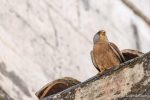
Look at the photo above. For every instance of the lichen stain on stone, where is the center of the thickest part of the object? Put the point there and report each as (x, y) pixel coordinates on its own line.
(113, 86)
(15, 79)
(147, 81)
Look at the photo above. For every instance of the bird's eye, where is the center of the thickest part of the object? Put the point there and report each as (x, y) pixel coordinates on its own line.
(103, 34)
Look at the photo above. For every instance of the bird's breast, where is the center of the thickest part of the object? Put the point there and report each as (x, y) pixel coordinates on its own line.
(104, 55)
(101, 48)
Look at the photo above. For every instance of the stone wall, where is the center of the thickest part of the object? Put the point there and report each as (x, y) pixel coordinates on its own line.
(47, 39)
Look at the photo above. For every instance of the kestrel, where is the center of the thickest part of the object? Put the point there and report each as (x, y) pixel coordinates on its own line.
(105, 54)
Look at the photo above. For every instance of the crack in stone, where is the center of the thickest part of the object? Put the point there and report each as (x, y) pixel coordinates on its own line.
(54, 28)
(29, 26)
(137, 11)
(67, 21)
(136, 35)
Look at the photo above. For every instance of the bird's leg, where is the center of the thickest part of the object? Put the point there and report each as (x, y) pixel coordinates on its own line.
(102, 68)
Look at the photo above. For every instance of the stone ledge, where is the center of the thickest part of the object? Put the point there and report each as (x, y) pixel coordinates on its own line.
(130, 80)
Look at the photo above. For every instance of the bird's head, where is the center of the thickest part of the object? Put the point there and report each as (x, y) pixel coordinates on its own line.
(100, 36)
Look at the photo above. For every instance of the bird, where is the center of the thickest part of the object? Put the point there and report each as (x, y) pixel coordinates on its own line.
(105, 54)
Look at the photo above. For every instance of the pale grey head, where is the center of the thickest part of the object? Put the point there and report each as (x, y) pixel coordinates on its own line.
(100, 36)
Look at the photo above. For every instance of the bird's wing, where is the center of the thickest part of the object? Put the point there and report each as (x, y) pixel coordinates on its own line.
(93, 61)
(117, 52)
